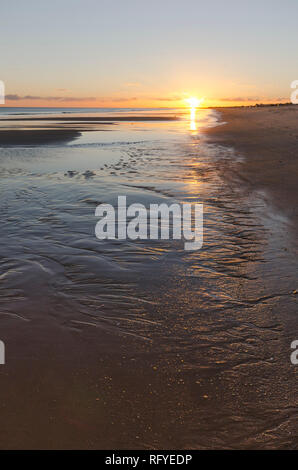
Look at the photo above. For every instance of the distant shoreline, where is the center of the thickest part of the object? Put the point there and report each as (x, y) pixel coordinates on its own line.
(183, 108)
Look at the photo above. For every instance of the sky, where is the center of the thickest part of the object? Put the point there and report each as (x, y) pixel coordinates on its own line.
(140, 53)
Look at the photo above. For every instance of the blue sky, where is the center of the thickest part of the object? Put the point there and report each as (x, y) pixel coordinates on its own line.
(147, 53)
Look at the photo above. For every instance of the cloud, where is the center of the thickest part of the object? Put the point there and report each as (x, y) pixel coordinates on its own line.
(99, 100)
(241, 99)
(64, 99)
(12, 97)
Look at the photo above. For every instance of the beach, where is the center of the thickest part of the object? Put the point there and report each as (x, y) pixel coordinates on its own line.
(268, 137)
(140, 344)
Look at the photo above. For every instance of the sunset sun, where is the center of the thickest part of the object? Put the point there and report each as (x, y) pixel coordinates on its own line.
(194, 102)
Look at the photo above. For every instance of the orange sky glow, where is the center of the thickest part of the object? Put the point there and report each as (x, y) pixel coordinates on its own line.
(14, 100)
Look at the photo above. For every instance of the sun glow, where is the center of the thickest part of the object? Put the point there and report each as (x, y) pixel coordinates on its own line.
(193, 102)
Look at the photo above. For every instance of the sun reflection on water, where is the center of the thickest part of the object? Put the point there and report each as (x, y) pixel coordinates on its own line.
(193, 124)
(193, 103)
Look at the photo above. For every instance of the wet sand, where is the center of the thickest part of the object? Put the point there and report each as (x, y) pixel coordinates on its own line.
(122, 344)
(54, 134)
(128, 118)
(268, 136)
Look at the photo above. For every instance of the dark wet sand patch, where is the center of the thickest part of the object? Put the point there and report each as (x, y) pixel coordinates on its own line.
(35, 137)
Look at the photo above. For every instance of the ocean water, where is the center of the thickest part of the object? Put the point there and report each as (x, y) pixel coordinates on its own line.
(29, 111)
(139, 343)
